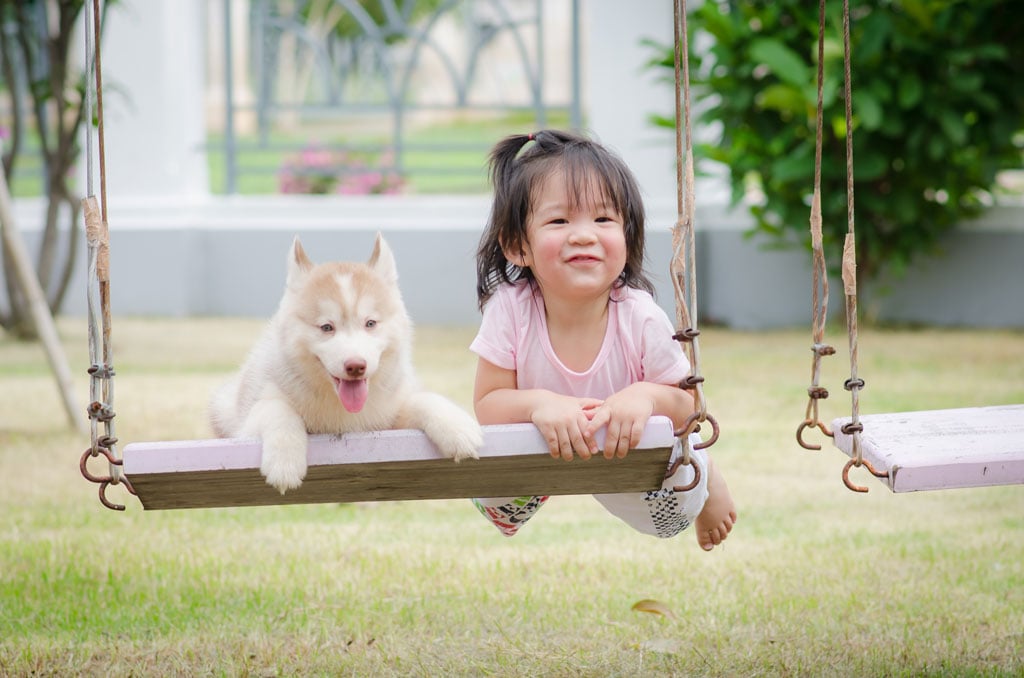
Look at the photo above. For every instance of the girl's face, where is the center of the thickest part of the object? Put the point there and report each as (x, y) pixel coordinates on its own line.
(575, 252)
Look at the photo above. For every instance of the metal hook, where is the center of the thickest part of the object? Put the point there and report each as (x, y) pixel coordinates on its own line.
(810, 423)
(84, 468)
(693, 483)
(714, 434)
(104, 481)
(106, 502)
(853, 462)
(692, 425)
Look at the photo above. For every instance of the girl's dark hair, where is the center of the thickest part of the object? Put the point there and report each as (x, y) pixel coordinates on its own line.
(516, 173)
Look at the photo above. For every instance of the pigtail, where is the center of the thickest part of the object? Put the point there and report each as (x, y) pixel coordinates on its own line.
(493, 267)
(502, 167)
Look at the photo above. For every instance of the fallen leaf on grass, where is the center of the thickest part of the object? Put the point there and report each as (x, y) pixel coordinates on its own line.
(654, 607)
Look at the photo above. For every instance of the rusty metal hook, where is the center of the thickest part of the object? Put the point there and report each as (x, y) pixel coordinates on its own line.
(853, 462)
(812, 424)
(693, 426)
(84, 461)
(104, 481)
(714, 434)
(692, 484)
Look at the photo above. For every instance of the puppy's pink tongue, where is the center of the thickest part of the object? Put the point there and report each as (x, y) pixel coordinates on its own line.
(352, 393)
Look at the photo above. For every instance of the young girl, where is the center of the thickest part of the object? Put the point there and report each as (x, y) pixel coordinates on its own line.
(571, 338)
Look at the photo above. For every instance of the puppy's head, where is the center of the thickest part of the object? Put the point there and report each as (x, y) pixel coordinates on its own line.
(344, 320)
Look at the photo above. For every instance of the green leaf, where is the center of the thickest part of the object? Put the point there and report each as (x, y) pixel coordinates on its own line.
(868, 110)
(870, 165)
(953, 126)
(781, 60)
(783, 98)
(798, 165)
(910, 91)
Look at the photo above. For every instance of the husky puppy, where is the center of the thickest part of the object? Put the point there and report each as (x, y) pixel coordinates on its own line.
(335, 357)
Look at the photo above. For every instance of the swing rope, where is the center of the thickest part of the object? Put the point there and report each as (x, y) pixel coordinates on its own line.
(683, 267)
(849, 271)
(819, 292)
(101, 371)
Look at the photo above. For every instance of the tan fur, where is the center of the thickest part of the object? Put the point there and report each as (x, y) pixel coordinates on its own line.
(285, 387)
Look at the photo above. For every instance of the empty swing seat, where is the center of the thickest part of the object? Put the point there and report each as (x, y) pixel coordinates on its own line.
(942, 449)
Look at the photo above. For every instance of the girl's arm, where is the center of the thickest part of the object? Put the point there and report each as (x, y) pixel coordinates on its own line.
(562, 420)
(626, 413)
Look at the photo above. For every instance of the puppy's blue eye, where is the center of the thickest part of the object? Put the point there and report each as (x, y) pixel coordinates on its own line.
(370, 324)
(327, 327)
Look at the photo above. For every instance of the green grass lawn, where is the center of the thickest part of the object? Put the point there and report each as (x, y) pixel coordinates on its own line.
(814, 580)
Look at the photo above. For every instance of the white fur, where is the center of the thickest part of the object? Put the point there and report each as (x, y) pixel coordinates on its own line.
(285, 388)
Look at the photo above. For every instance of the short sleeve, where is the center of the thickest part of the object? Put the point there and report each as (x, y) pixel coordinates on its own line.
(495, 341)
(662, 357)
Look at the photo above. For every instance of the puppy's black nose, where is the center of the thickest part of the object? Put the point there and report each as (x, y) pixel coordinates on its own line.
(355, 369)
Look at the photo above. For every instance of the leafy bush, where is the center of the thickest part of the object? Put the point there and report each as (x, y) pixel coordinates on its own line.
(938, 109)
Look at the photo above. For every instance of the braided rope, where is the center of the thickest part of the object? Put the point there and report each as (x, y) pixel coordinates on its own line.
(819, 286)
(683, 268)
(101, 371)
(854, 384)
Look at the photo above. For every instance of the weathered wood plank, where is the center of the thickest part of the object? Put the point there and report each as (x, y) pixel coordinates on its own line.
(384, 466)
(940, 449)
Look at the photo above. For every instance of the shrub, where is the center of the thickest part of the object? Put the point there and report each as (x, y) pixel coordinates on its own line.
(938, 110)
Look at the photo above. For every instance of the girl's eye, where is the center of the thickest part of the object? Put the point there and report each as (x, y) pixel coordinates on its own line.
(327, 328)
(370, 324)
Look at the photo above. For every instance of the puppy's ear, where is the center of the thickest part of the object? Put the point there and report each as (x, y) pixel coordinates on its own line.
(382, 261)
(298, 264)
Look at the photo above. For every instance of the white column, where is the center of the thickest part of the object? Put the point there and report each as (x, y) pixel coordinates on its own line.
(621, 91)
(153, 107)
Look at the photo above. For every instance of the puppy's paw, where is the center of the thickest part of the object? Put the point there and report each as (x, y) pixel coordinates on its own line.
(284, 461)
(456, 434)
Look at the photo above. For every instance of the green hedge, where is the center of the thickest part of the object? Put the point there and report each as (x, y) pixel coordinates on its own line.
(938, 111)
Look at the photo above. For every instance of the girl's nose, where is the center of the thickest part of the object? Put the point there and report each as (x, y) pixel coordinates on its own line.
(582, 232)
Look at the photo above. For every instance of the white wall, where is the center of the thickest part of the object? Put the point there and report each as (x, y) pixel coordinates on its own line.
(153, 76)
(621, 92)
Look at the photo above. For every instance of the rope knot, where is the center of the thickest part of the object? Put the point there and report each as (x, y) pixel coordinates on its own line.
(851, 428)
(823, 349)
(100, 411)
(691, 381)
(101, 371)
(852, 383)
(818, 392)
(689, 334)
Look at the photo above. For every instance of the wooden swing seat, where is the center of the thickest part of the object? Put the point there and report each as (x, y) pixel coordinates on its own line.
(385, 466)
(942, 449)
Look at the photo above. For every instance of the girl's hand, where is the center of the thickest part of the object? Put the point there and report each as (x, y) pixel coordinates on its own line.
(563, 421)
(626, 414)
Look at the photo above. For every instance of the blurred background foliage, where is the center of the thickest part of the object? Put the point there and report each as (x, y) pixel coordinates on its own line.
(938, 113)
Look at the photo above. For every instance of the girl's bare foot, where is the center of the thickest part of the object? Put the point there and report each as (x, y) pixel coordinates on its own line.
(719, 513)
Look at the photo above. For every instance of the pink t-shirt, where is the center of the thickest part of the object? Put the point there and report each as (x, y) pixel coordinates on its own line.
(638, 344)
